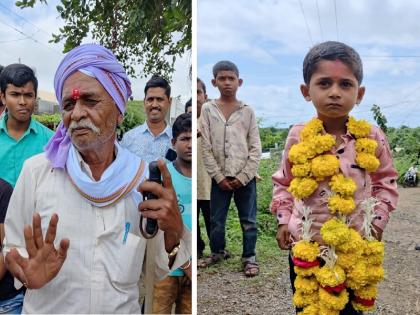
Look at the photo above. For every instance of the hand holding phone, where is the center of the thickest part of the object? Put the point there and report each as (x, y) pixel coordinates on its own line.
(151, 224)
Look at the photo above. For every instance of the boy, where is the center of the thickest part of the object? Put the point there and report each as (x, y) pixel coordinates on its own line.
(231, 153)
(20, 136)
(333, 75)
(176, 288)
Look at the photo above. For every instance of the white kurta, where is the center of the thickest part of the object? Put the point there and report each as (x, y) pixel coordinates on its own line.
(101, 273)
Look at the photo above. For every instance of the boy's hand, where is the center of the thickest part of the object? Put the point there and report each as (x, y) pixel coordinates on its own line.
(377, 232)
(283, 237)
(235, 183)
(225, 184)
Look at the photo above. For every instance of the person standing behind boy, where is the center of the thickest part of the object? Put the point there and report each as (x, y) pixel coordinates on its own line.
(20, 136)
(231, 152)
(203, 178)
(176, 288)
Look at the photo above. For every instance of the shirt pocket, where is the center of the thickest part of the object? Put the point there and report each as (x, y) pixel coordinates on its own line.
(128, 261)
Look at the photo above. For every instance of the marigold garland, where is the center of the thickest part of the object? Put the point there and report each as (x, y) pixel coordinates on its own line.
(312, 309)
(306, 250)
(302, 187)
(334, 301)
(306, 285)
(342, 185)
(351, 261)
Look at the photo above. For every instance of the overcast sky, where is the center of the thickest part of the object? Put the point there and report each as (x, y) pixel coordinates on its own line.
(24, 36)
(268, 40)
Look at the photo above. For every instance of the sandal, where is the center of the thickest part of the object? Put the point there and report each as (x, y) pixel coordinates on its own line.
(213, 259)
(251, 269)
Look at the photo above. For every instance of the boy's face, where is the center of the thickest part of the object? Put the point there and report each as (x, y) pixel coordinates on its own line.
(20, 101)
(156, 104)
(201, 98)
(183, 146)
(227, 82)
(333, 89)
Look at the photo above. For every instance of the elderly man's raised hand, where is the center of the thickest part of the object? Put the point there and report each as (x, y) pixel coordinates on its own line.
(44, 261)
(164, 209)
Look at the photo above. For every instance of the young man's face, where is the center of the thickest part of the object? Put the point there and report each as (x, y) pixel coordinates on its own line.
(89, 114)
(156, 104)
(227, 82)
(20, 101)
(183, 146)
(333, 89)
(201, 97)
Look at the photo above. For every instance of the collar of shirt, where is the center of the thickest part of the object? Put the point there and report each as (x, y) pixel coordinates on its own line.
(32, 126)
(145, 128)
(85, 167)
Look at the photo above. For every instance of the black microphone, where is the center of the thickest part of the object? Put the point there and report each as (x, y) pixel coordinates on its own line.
(154, 176)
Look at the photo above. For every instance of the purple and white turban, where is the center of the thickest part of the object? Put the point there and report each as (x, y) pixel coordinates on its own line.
(97, 61)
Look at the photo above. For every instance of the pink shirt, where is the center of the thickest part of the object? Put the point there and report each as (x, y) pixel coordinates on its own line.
(381, 184)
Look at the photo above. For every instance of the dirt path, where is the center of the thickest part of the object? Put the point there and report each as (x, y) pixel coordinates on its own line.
(222, 290)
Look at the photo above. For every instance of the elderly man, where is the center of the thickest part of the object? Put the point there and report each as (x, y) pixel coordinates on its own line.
(90, 182)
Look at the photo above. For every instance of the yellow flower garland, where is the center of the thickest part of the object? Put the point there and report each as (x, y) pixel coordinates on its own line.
(357, 262)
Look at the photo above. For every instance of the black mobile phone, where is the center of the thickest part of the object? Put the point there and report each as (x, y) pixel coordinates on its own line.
(154, 176)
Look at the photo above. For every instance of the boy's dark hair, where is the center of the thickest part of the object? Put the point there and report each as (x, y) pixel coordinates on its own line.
(188, 104)
(181, 124)
(225, 65)
(158, 81)
(17, 74)
(202, 85)
(332, 51)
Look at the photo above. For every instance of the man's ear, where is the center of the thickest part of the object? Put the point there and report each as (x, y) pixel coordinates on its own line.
(304, 89)
(240, 82)
(3, 98)
(360, 94)
(213, 82)
(173, 141)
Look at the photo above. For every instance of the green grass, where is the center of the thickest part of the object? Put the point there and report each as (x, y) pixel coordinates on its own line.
(136, 108)
(268, 253)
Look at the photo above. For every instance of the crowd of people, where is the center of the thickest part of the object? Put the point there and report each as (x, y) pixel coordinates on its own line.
(75, 203)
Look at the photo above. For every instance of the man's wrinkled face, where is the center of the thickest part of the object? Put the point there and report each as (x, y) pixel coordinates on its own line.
(89, 112)
(156, 104)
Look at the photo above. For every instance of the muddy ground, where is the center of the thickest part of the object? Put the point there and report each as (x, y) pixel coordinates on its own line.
(224, 290)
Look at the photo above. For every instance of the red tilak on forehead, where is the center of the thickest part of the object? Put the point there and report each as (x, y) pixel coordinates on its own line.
(75, 94)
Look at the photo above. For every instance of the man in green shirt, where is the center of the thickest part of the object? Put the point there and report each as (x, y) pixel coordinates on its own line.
(20, 136)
